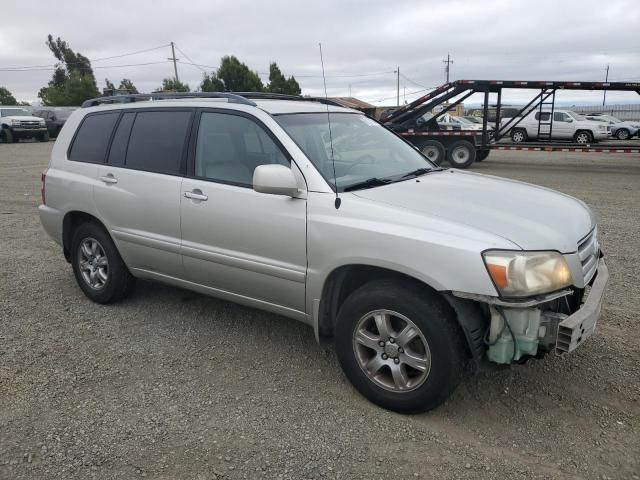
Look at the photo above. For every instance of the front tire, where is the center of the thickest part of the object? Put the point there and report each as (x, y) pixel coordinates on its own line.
(400, 346)
(43, 137)
(623, 134)
(97, 265)
(7, 136)
(461, 154)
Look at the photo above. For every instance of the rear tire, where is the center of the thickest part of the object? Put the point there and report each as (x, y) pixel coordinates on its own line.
(418, 329)
(434, 151)
(461, 154)
(97, 265)
(482, 154)
(583, 137)
(623, 134)
(518, 135)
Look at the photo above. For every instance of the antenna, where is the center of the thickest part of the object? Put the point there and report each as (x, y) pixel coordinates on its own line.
(333, 161)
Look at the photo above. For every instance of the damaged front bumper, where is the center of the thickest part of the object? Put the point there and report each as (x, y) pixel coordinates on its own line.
(533, 327)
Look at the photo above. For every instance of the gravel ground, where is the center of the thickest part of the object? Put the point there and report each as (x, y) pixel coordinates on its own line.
(170, 384)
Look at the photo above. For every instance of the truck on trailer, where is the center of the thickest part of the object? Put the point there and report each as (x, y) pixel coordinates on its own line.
(462, 147)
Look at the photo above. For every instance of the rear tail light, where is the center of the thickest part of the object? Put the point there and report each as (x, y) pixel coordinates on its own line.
(43, 178)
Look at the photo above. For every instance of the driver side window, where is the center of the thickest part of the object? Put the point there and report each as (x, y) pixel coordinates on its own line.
(230, 147)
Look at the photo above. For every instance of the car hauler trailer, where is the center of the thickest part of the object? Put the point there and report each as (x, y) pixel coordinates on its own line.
(462, 147)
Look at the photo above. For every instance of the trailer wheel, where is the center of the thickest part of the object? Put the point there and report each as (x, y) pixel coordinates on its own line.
(433, 150)
(461, 154)
(518, 135)
(482, 154)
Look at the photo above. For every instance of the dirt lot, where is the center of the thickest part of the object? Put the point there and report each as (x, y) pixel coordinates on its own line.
(170, 384)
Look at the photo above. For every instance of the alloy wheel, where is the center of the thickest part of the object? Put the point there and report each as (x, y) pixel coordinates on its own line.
(391, 351)
(93, 263)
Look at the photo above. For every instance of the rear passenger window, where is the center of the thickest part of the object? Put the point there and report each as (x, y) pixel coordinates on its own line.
(157, 141)
(92, 139)
(119, 145)
(544, 116)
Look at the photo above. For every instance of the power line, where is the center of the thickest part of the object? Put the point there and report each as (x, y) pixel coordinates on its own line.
(414, 82)
(55, 65)
(394, 96)
(189, 58)
(99, 66)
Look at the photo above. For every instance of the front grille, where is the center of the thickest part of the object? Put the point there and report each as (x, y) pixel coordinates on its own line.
(29, 124)
(588, 251)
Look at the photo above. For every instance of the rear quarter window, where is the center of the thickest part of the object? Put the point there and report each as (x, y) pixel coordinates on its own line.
(157, 141)
(92, 139)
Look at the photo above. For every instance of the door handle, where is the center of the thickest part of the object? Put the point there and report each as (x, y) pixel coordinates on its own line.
(110, 179)
(196, 195)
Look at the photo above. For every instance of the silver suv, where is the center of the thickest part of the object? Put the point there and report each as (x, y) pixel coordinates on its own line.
(320, 214)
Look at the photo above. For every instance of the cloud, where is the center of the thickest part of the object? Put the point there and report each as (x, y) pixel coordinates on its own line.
(547, 40)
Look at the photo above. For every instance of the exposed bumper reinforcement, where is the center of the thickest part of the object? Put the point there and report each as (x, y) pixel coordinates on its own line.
(576, 328)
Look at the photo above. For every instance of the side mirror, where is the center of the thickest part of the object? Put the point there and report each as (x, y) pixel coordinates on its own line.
(275, 179)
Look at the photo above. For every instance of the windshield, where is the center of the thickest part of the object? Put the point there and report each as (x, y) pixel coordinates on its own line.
(13, 112)
(463, 120)
(362, 148)
(576, 116)
(612, 119)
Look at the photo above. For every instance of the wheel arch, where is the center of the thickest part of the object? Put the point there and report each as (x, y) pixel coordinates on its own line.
(344, 280)
(71, 221)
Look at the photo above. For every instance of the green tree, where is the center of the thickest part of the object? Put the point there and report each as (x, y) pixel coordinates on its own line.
(174, 85)
(6, 98)
(211, 83)
(279, 84)
(76, 89)
(127, 84)
(232, 76)
(73, 81)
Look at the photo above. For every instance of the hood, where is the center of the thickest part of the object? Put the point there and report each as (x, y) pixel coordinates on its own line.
(534, 218)
(22, 118)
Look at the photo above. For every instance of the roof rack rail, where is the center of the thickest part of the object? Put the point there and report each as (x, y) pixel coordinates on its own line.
(286, 96)
(138, 97)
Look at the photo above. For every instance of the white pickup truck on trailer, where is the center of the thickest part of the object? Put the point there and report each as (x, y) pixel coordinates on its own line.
(559, 125)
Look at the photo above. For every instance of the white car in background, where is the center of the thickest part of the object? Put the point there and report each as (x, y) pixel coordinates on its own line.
(451, 122)
(564, 125)
(617, 128)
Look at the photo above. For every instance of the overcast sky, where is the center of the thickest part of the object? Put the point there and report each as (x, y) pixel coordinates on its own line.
(363, 41)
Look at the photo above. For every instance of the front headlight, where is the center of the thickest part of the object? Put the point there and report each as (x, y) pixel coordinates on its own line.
(15, 123)
(523, 274)
(42, 122)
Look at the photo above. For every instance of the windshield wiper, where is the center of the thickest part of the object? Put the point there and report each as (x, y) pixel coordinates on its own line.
(370, 182)
(421, 171)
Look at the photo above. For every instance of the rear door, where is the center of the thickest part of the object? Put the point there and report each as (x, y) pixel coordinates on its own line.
(138, 190)
(562, 125)
(240, 242)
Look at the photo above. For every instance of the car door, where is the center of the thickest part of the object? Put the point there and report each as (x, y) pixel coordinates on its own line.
(562, 125)
(138, 190)
(244, 244)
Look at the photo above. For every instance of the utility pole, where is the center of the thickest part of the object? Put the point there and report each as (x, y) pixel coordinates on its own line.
(447, 62)
(398, 87)
(173, 57)
(606, 79)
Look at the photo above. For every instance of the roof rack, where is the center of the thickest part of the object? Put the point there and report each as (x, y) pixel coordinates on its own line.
(286, 96)
(140, 97)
